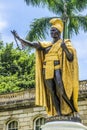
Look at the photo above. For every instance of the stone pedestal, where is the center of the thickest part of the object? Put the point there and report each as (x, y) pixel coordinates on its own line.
(63, 125)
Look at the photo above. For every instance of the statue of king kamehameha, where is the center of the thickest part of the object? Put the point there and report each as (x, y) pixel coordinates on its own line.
(56, 72)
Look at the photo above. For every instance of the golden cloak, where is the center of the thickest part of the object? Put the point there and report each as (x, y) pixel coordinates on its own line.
(69, 76)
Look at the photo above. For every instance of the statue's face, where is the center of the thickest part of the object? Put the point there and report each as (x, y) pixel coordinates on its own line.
(54, 33)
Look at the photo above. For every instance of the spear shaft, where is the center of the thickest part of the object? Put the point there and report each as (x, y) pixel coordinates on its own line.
(64, 18)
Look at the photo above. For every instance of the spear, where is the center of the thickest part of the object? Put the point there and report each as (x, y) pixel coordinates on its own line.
(64, 19)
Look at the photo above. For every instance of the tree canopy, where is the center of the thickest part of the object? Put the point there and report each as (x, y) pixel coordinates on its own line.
(70, 9)
(16, 69)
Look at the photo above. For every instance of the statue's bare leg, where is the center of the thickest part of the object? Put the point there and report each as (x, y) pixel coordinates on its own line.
(50, 84)
(60, 89)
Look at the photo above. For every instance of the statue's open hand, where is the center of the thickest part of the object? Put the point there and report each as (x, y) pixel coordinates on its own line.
(15, 34)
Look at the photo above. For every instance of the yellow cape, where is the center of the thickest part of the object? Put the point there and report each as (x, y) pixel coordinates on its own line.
(69, 76)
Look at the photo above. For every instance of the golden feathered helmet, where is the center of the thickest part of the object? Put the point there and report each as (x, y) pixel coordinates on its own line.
(57, 23)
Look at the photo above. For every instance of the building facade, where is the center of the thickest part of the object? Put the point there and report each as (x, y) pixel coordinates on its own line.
(18, 110)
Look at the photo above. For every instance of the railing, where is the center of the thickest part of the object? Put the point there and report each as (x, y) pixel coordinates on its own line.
(18, 96)
(83, 87)
(30, 94)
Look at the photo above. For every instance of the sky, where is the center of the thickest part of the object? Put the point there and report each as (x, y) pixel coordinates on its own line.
(16, 15)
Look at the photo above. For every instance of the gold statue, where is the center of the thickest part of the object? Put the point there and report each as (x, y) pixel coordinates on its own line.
(56, 72)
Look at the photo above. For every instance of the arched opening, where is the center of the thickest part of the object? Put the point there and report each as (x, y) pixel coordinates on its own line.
(38, 122)
(12, 125)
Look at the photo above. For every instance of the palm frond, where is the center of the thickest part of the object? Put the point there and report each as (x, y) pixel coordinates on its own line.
(33, 2)
(38, 29)
(77, 22)
(79, 4)
(83, 22)
(73, 26)
(55, 6)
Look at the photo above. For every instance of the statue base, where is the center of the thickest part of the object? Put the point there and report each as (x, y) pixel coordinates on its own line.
(64, 123)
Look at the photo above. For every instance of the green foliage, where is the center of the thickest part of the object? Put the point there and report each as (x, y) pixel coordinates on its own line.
(36, 28)
(1, 44)
(16, 69)
(58, 7)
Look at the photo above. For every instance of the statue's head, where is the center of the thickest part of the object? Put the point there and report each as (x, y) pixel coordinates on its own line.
(56, 28)
(57, 23)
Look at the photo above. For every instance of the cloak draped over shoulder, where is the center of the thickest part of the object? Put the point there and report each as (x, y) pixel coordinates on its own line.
(69, 77)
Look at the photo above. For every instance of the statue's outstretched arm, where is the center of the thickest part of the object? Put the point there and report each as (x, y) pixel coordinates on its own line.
(25, 42)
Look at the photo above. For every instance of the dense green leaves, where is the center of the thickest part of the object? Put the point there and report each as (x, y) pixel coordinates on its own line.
(16, 69)
(80, 4)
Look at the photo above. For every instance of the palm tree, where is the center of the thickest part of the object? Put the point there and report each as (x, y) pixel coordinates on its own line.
(68, 10)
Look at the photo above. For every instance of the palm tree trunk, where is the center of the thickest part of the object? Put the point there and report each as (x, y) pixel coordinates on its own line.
(66, 31)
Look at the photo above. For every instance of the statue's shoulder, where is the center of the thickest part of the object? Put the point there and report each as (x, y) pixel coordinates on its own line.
(67, 41)
(69, 44)
(45, 44)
